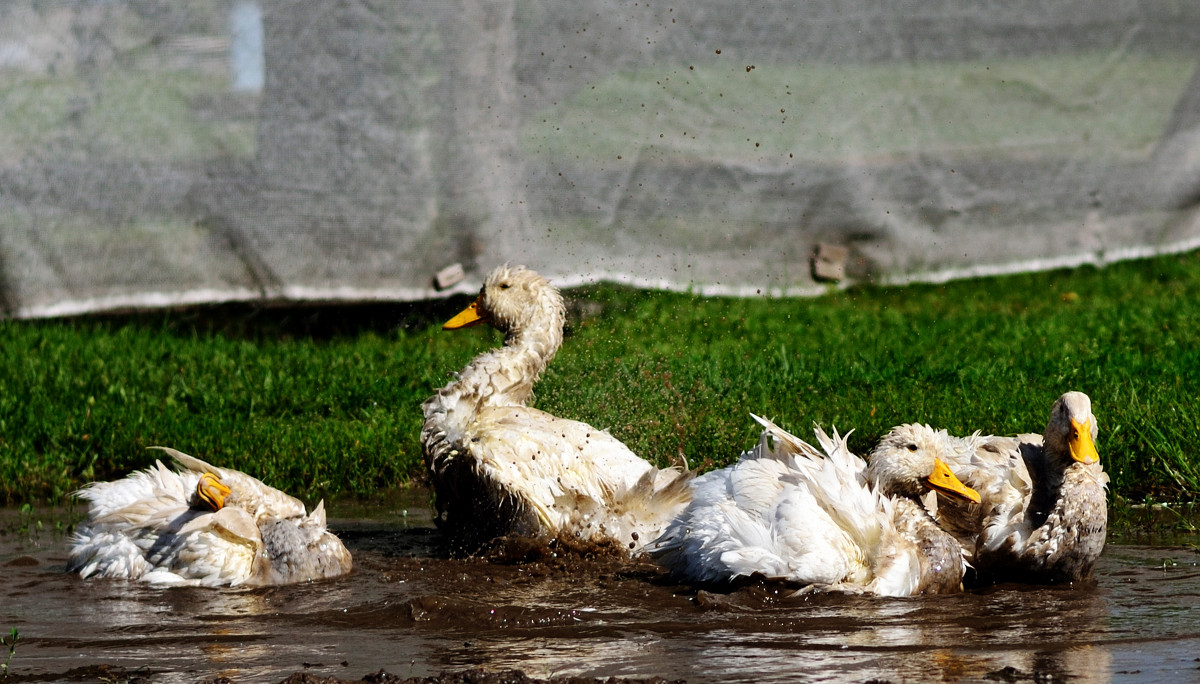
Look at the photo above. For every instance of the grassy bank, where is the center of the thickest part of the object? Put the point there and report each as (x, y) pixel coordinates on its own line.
(326, 402)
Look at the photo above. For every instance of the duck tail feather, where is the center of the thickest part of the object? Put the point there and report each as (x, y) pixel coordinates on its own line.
(776, 442)
(188, 462)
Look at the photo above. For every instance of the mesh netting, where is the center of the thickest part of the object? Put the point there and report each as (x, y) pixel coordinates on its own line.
(159, 153)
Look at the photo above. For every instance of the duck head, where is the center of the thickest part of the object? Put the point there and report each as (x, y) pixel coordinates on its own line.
(211, 491)
(513, 298)
(908, 461)
(1072, 429)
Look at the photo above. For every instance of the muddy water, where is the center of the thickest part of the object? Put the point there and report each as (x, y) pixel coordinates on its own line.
(411, 611)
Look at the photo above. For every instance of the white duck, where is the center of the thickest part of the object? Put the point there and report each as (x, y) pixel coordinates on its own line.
(203, 526)
(1044, 510)
(499, 467)
(785, 511)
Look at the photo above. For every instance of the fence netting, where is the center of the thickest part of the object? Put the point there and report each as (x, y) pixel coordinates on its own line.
(160, 153)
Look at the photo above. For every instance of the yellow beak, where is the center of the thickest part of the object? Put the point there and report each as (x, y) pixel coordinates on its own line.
(467, 317)
(1083, 449)
(212, 491)
(943, 480)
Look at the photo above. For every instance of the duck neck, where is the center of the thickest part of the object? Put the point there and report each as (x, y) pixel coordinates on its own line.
(909, 494)
(505, 376)
(1059, 482)
(894, 488)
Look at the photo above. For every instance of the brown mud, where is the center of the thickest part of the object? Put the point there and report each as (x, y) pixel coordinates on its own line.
(533, 612)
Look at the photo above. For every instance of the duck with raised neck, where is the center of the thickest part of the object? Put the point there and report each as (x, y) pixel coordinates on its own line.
(1044, 513)
(499, 467)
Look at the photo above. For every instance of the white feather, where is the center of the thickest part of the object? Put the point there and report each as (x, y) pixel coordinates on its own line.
(1042, 516)
(787, 510)
(146, 527)
(500, 467)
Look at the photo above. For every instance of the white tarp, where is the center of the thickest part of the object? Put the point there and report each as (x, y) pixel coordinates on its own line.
(154, 152)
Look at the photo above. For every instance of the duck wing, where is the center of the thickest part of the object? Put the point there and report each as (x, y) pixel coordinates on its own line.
(213, 548)
(574, 478)
(120, 513)
(785, 510)
(248, 493)
(749, 519)
(156, 487)
(995, 467)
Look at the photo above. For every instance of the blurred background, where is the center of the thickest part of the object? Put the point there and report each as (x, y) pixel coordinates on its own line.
(159, 153)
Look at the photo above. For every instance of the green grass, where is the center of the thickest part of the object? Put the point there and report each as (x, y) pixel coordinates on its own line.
(11, 642)
(326, 402)
(1086, 105)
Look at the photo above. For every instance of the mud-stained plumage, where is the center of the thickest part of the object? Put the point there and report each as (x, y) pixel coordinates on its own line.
(788, 511)
(159, 525)
(499, 467)
(1044, 510)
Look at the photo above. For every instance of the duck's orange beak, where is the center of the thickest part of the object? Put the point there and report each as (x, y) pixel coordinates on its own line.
(472, 315)
(1083, 449)
(212, 491)
(942, 479)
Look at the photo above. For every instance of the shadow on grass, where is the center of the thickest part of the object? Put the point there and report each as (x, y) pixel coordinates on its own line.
(283, 321)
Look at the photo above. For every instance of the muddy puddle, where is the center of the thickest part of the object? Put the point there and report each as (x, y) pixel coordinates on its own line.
(411, 611)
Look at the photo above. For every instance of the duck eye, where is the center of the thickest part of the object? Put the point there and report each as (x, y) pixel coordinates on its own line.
(911, 447)
(504, 286)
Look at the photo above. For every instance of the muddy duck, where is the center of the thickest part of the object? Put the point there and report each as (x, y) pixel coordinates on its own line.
(202, 525)
(826, 520)
(499, 467)
(1044, 510)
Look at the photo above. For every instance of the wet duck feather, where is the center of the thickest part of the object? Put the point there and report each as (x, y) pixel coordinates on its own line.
(823, 518)
(499, 467)
(202, 525)
(1044, 510)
